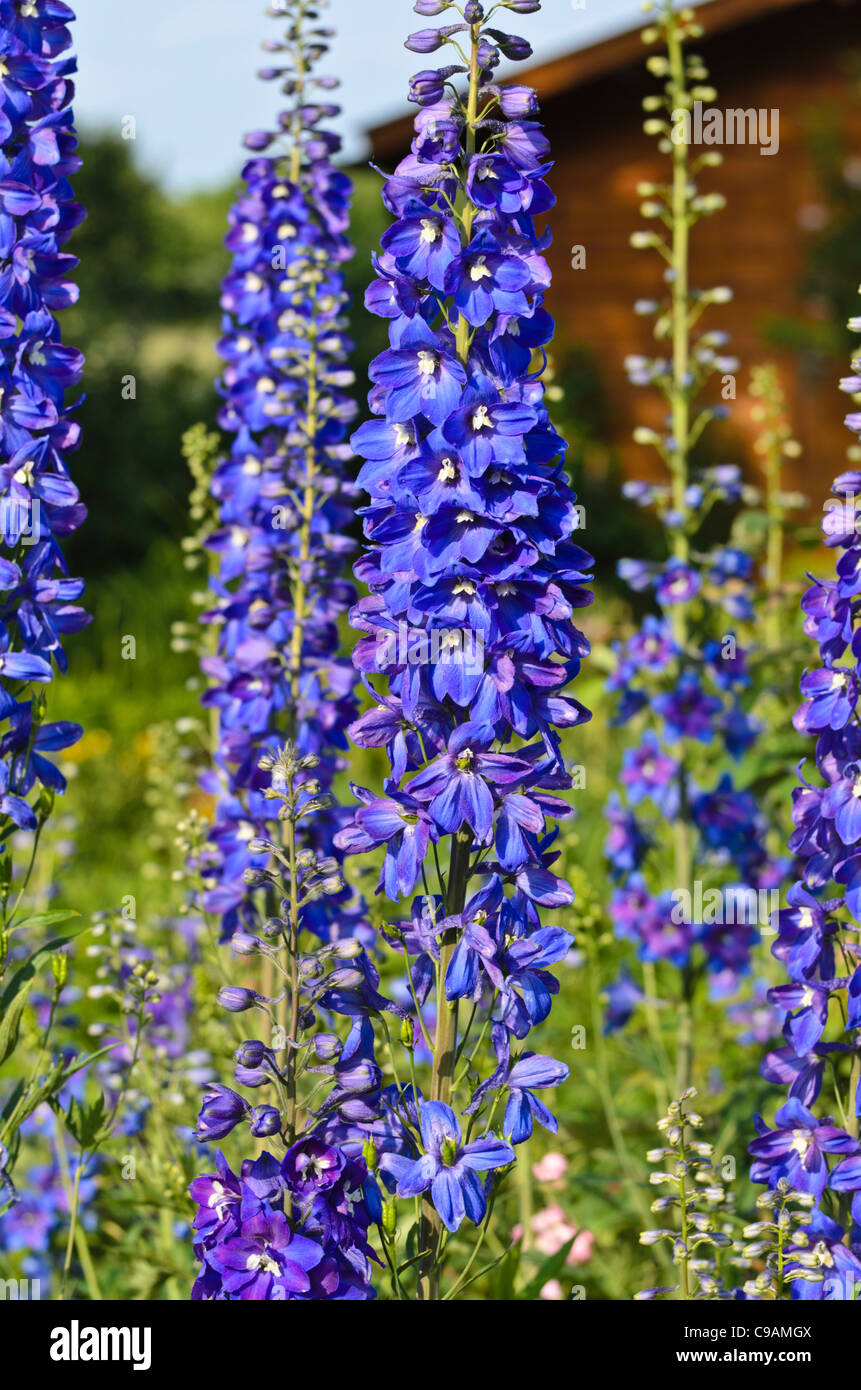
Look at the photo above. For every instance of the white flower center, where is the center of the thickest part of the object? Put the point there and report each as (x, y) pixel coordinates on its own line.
(479, 270)
(430, 230)
(218, 1199)
(264, 1262)
(481, 420)
(427, 363)
(800, 1141)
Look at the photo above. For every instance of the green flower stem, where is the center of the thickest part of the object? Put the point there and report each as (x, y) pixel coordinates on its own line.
(77, 1237)
(293, 965)
(605, 1091)
(683, 1200)
(653, 1023)
(680, 404)
(445, 1044)
(444, 1053)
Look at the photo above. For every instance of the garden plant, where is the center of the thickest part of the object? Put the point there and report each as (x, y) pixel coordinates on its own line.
(449, 915)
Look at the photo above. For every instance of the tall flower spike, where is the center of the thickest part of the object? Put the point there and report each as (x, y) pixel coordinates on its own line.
(294, 1221)
(818, 934)
(469, 638)
(285, 503)
(39, 507)
(39, 503)
(681, 677)
(697, 1206)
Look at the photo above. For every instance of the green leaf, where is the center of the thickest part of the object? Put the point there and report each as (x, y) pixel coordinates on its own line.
(10, 1019)
(51, 1082)
(50, 1085)
(480, 1274)
(547, 1271)
(44, 919)
(16, 992)
(76, 1064)
(502, 1285)
(86, 1123)
(13, 1100)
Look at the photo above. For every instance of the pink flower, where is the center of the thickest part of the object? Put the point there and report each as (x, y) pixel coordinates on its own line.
(548, 1217)
(552, 1290)
(551, 1230)
(581, 1250)
(550, 1168)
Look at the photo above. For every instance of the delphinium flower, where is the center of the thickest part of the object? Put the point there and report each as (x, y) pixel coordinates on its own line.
(469, 644)
(683, 680)
(283, 697)
(156, 1033)
(284, 497)
(698, 1205)
(39, 503)
(813, 1142)
(779, 1238)
(294, 1223)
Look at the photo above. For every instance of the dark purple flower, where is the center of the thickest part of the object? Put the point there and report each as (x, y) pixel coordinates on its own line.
(220, 1112)
(267, 1261)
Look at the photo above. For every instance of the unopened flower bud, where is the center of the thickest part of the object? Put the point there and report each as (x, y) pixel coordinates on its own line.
(390, 1217)
(236, 999)
(328, 1047)
(264, 1120)
(59, 969)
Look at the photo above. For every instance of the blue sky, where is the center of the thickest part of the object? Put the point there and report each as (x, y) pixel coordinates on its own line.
(185, 69)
